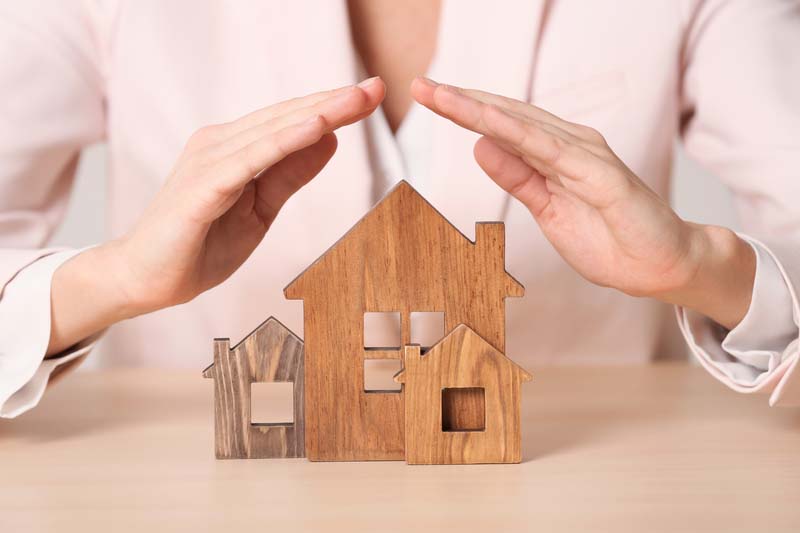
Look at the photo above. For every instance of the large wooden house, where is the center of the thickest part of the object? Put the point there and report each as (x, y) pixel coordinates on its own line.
(402, 257)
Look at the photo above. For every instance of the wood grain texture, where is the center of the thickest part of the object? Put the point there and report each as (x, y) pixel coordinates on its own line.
(403, 256)
(271, 353)
(659, 448)
(462, 360)
(379, 353)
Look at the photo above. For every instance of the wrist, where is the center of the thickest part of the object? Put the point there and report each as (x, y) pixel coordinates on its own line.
(128, 295)
(97, 274)
(722, 273)
(86, 298)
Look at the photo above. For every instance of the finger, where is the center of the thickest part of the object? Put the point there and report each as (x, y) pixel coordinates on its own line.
(591, 178)
(492, 121)
(527, 139)
(513, 175)
(431, 94)
(339, 110)
(549, 128)
(277, 184)
(366, 97)
(208, 137)
(423, 90)
(373, 87)
(585, 174)
(234, 171)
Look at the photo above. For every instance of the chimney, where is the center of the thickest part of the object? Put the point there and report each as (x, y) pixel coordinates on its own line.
(221, 349)
(490, 240)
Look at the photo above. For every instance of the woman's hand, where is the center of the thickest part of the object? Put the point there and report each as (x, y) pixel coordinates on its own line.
(213, 210)
(602, 219)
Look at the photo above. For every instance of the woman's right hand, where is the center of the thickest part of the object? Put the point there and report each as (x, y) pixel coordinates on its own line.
(213, 210)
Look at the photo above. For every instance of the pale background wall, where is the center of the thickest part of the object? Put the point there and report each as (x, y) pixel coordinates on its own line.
(696, 195)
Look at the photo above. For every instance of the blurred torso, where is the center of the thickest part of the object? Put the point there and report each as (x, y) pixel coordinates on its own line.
(396, 41)
(171, 69)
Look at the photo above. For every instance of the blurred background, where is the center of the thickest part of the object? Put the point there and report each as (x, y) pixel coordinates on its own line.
(696, 195)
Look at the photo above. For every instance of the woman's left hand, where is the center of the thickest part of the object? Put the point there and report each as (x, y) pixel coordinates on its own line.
(603, 220)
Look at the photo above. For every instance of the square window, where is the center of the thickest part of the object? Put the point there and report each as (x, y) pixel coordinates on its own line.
(427, 328)
(379, 375)
(272, 403)
(464, 409)
(382, 330)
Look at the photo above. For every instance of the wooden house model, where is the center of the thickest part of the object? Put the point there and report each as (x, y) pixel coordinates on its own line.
(271, 353)
(401, 258)
(462, 400)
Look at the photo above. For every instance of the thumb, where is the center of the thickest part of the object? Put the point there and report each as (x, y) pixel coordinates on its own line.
(279, 182)
(513, 175)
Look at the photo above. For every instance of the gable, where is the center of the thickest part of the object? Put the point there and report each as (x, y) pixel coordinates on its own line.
(271, 326)
(465, 336)
(402, 224)
(274, 351)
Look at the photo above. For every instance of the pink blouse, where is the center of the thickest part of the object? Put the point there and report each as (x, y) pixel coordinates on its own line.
(141, 76)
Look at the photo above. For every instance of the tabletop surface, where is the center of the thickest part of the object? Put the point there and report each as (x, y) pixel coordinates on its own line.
(657, 448)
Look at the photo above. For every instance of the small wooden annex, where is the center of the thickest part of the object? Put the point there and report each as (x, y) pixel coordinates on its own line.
(462, 402)
(271, 353)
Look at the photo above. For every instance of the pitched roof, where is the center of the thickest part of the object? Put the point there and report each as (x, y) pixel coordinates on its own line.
(401, 188)
(466, 331)
(270, 323)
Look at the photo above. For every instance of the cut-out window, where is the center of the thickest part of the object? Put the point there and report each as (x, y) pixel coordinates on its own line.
(382, 330)
(463, 409)
(379, 375)
(427, 328)
(272, 403)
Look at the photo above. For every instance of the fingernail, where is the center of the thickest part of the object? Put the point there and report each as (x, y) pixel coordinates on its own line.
(427, 81)
(311, 120)
(369, 81)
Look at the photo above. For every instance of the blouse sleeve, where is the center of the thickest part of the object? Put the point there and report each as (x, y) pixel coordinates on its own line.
(52, 106)
(741, 120)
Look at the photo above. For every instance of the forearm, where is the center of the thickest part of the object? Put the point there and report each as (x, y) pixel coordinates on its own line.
(722, 283)
(86, 297)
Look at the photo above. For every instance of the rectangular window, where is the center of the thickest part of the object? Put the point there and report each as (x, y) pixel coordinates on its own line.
(382, 330)
(379, 375)
(272, 404)
(464, 409)
(427, 328)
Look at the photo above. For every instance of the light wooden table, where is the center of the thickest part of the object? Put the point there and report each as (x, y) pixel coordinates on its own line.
(661, 448)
